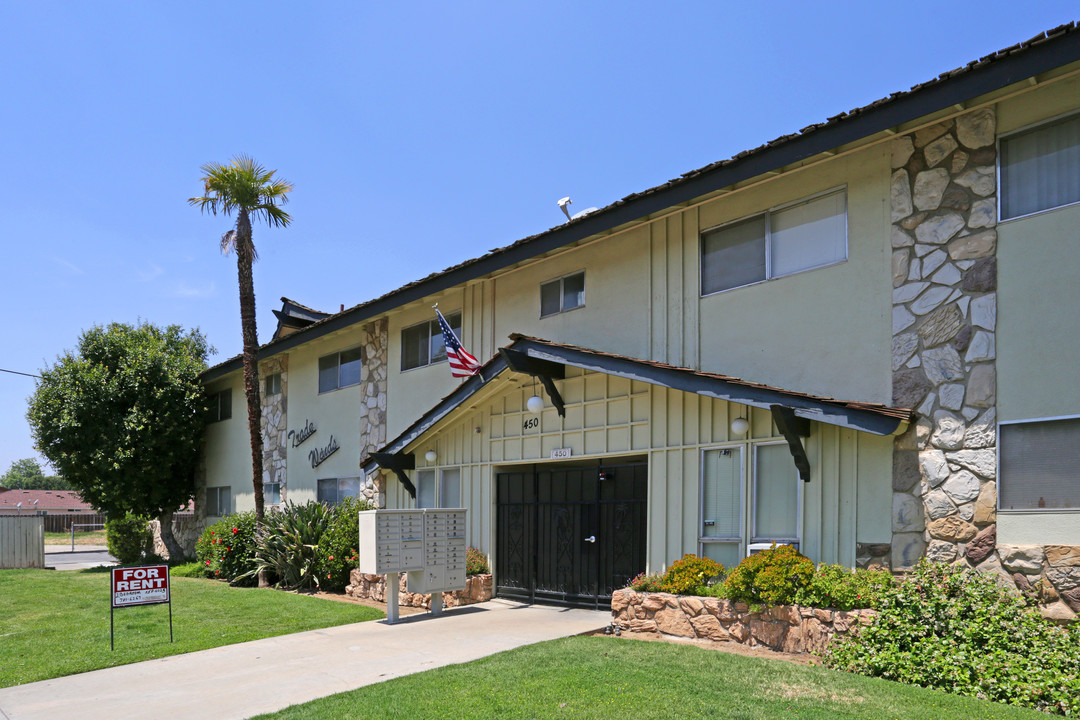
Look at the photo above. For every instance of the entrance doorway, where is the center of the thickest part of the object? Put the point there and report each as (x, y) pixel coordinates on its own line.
(570, 534)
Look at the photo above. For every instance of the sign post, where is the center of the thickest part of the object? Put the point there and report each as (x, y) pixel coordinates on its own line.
(145, 585)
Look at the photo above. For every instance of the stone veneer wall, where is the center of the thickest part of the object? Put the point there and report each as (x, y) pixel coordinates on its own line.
(372, 411)
(788, 628)
(373, 587)
(274, 424)
(944, 273)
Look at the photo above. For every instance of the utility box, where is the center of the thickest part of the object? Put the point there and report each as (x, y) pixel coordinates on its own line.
(428, 544)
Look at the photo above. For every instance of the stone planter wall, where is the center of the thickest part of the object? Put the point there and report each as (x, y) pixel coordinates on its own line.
(787, 628)
(373, 587)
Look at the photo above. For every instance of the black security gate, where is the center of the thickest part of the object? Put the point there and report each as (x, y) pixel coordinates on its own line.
(570, 535)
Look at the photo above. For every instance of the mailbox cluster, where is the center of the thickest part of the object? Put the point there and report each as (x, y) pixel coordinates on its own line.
(428, 544)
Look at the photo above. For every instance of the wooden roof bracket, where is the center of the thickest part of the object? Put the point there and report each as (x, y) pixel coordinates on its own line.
(546, 371)
(398, 463)
(793, 428)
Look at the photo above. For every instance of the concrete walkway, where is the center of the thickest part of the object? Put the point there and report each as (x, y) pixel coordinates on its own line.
(239, 681)
(61, 557)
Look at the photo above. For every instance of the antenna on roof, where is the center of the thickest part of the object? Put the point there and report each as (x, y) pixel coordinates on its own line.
(563, 205)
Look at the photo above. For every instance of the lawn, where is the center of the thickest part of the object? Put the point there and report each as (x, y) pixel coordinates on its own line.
(88, 537)
(57, 623)
(599, 677)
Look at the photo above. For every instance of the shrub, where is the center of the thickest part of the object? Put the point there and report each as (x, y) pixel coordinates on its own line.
(129, 538)
(647, 582)
(287, 545)
(476, 562)
(771, 577)
(339, 544)
(226, 549)
(956, 630)
(834, 586)
(690, 573)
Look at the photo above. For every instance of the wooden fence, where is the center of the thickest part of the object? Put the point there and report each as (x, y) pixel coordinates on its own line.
(22, 541)
(62, 523)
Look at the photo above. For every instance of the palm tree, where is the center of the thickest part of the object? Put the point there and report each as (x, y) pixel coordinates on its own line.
(250, 189)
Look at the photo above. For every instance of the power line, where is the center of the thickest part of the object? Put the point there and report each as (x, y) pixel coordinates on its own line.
(16, 372)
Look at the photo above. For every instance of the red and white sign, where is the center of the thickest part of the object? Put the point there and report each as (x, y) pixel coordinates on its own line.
(148, 585)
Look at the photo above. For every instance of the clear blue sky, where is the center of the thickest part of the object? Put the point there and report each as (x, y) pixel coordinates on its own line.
(417, 135)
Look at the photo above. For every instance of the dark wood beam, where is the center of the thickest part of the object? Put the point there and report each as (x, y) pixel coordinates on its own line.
(545, 371)
(398, 463)
(793, 428)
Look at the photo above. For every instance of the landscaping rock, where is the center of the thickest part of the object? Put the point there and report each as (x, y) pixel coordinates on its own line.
(982, 545)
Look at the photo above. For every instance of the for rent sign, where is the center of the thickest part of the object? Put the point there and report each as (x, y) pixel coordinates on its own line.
(148, 585)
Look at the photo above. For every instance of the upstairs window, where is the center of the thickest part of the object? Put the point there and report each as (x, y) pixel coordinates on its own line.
(1040, 168)
(219, 406)
(273, 385)
(1038, 468)
(566, 293)
(422, 344)
(218, 501)
(808, 234)
(340, 369)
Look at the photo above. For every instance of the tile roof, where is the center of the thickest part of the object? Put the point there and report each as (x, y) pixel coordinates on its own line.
(46, 500)
(921, 99)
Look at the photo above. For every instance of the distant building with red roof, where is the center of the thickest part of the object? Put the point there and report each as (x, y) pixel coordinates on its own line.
(48, 501)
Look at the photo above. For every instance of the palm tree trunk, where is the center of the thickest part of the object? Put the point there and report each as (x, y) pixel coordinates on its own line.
(244, 258)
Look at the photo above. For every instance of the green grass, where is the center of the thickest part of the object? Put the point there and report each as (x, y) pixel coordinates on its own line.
(90, 537)
(57, 623)
(597, 677)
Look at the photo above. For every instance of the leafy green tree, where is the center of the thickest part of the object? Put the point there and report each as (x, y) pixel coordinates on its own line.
(26, 474)
(122, 419)
(249, 189)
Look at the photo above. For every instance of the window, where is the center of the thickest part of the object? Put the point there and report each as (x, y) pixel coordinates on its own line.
(219, 406)
(218, 501)
(775, 495)
(1040, 168)
(809, 234)
(273, 384)
(566, 293)
(333, 490)
(271, 493)
(340, 369)
(423, 344)
(444, 494)
(1038, 468)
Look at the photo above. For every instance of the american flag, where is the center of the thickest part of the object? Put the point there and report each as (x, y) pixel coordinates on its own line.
(462, 364)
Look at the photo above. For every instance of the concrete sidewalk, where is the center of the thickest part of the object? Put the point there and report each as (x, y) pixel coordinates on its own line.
(60, 557)
(238, 681)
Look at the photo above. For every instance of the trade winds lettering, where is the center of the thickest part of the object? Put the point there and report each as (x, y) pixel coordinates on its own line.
(299, 436)
(318, 455)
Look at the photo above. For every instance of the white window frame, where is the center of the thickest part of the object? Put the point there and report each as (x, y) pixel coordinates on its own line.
(277, 491)
(768, 214)
(214, 399)
(272, 386)
(433, 326)
(337, 355)
(754, 537)
(337, 488)
(561, 280)
(999, 195)
(997, 465)
(216, 492)
(438, 474)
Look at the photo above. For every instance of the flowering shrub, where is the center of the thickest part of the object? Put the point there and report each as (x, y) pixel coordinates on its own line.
(226, 549)
(771, 577)
(687, 575)
(476, 562)
(956, 630)
(647, 582)
(834, 586)
(339, 544)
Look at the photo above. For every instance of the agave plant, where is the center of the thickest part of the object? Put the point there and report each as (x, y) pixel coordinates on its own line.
(287, 545)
